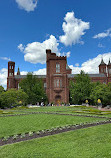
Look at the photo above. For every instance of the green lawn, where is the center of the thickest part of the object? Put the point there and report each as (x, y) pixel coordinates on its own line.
(34, 122)
(78, 110)
(93, 142)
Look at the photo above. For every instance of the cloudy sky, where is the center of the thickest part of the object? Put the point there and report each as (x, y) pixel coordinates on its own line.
(79, 29)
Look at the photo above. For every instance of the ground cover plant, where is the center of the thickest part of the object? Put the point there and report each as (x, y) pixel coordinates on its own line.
(93, 142)
(13, 125)
(6, 112)
(81, 110)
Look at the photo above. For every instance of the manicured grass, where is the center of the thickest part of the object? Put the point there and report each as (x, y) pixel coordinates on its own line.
(93, 142)
(79, 110)
(20, 124)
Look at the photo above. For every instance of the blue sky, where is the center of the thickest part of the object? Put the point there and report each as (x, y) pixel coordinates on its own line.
(80, 29)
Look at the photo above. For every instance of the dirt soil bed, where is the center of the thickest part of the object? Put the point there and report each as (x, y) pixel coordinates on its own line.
(52, 132)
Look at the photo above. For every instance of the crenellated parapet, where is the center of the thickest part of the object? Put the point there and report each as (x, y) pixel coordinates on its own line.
(53, 56)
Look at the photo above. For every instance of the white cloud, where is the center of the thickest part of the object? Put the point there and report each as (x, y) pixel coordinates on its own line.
(5, 58)
(68, 54)
(36, 52)
(73, 29)
(100, 45)
(23, 73)
(3, 77)
(21, 47)
(91, 65)
(27, 5)
(65, 54)
(103, 34)
(40, 72)
(77, 64)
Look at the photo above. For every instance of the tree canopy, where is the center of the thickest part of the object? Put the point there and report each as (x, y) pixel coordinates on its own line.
(1, 89)
(13, 97)
(102, 92)
(80, 88)
(33, 87)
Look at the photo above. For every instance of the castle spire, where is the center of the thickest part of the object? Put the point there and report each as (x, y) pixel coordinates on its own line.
(102, 62)
(109, 62)
(18, 72)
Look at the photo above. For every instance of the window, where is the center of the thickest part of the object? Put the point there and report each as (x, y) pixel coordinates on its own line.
(10, 74)
(109, 71)
(104, 69)
(45, 85)
(57, 68)
(9, 83)
(58, 83)
(10, 67)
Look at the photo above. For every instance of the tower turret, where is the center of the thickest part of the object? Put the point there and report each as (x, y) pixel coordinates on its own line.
(109, 68)
(102, 67)
(18, 72)
(11, 74)
(11, 68)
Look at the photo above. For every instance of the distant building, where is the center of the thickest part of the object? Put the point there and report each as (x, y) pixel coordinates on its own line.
(56, 81)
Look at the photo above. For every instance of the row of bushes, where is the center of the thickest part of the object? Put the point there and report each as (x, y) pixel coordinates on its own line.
(12, 97)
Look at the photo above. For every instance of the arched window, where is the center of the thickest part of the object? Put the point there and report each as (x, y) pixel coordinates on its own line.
(57, 67)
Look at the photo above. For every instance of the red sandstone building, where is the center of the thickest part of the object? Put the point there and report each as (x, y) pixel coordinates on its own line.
(56, 81)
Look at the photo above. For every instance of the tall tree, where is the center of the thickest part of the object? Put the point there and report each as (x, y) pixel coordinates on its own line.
(33, 87)
(80, 88)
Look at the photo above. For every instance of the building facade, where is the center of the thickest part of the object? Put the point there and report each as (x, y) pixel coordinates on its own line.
(57, 78)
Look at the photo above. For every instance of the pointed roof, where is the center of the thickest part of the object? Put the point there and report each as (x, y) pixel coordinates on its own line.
(18, 72)
(109, 62)
(102, 62)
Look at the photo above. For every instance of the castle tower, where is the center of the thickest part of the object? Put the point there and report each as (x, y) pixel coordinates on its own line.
(102, 67)
(56, 79)
(109, 68)
(11, 74)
